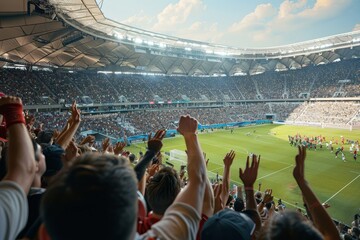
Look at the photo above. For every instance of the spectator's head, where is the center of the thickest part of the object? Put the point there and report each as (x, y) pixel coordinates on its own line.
(40, 159)
(162, 190)
(258, 197)
(53, 155)
(45, 136)
(239, 205)
(132, 157)
(290, 225)
(228, 224)
(95, 199)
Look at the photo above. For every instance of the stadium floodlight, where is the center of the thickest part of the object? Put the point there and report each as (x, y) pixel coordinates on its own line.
(162, 45)
(221, 53)
(118, 35)
(105, 72)
(150, 43)
(138, 40)
(187, 49)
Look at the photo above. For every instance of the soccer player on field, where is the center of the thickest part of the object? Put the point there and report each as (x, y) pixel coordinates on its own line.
(355, 154)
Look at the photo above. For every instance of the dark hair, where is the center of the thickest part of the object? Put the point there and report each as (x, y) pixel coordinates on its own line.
(289, 225)
(239, 205)
(35, 147)
(95, 199)
(162, 190)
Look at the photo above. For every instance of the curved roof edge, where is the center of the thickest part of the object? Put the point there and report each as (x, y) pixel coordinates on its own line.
(86, 16)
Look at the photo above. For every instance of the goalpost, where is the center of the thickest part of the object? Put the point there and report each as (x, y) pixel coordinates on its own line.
(181, 157)
(178, 155)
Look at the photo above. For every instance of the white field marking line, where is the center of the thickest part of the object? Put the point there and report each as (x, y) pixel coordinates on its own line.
(206, 142)
(275, 172)
(247, 152)
(237, 147)
(342, 189)
(215, 163)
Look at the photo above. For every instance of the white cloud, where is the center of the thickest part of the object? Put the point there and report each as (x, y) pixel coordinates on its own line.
(288, 8)
(266, 24)
(255, 19)
(176, 14)
(356, 27)
(139, 20)
(202, 31)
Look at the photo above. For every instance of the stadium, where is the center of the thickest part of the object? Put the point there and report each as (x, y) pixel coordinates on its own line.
(128, 83)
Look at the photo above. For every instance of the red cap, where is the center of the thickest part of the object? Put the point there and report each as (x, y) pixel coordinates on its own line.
(2, 94)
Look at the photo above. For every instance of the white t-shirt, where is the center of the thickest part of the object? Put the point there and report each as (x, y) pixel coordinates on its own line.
(13, 210)
(181, 221)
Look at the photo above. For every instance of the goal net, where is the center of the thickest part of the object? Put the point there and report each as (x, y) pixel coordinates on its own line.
(178, 155)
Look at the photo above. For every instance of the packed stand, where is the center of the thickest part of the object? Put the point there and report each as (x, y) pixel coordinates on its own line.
(313, 81)
(337, 113)
(144, 121)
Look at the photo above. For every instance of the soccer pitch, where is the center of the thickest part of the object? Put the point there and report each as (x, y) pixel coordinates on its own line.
(334, 181)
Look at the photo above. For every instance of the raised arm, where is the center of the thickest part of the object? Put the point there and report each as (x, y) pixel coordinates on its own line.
(73, 124)
(193, 193)
(248, 177)
(209, 201)
(21, 162)
(154, 146)
(228, 160)
(321, 218)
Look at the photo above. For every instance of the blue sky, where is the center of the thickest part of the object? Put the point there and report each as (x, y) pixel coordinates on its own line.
(240, 23)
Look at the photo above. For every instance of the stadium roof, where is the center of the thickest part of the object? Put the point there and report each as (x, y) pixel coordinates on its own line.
(75, 34)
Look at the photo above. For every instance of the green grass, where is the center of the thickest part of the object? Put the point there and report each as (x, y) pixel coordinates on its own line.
(331, 179)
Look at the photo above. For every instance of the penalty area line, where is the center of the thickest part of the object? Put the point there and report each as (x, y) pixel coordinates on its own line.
(342, 189)
(275, 172)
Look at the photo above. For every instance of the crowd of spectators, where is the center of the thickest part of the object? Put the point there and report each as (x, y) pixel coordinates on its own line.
(143, 121)
(58, 188)
(39, 87)
(337, 113)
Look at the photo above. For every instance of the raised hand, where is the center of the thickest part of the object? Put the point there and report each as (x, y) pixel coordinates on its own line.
(119, 147)
(88, 139)
(298, 171)
(153, 169)
(229, 158)
(268, 196)
(155, 143)
(187, 125)
(75, 113)
(105, 144)
(30, 120)
(249, 175)
(71, 153)
(219, 204)
(11, 114)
